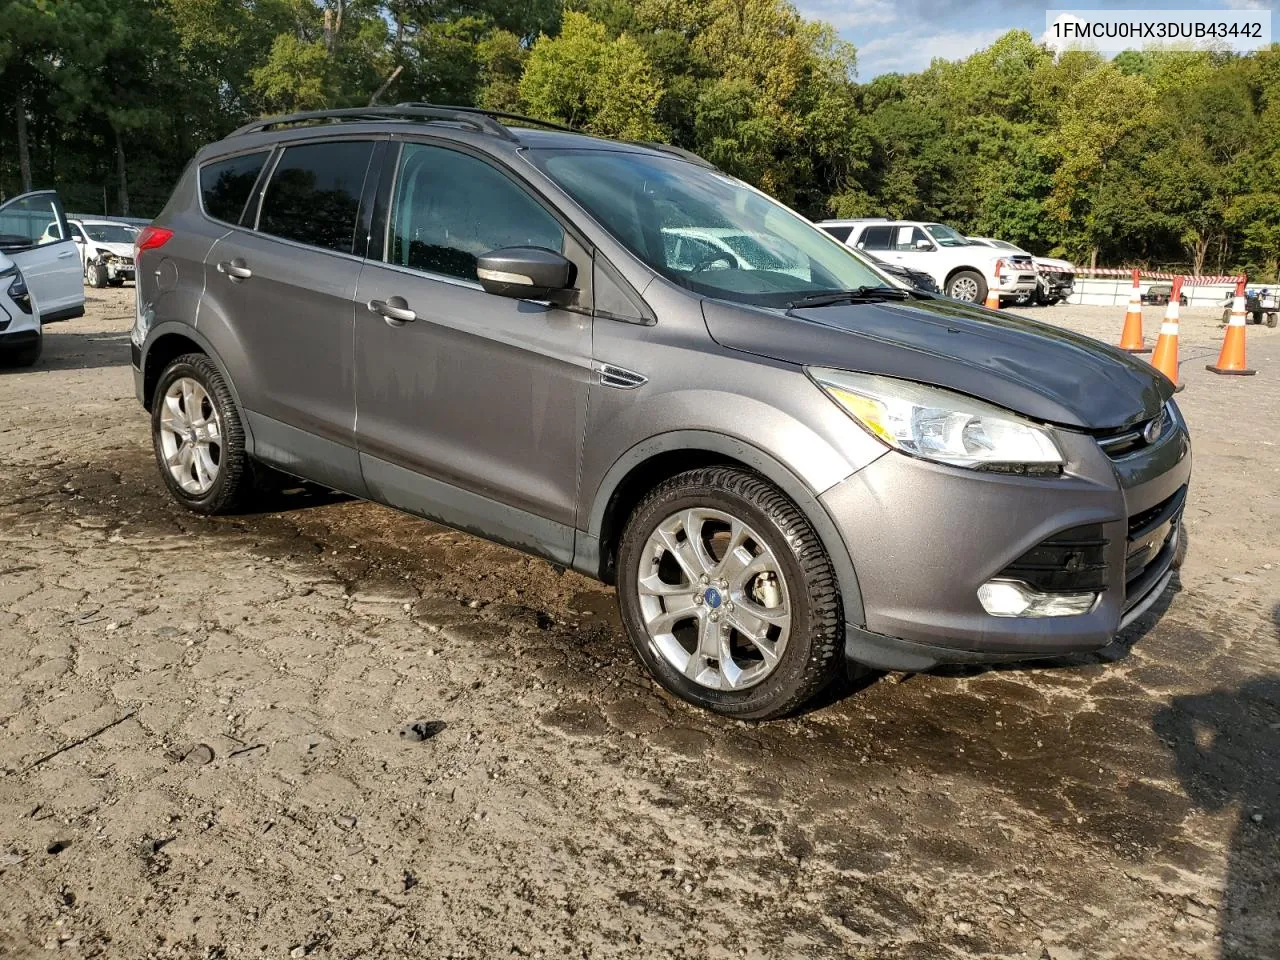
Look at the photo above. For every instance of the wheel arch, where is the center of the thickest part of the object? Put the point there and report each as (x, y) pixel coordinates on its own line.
(963, 268)
(651, 461)
(170, 340)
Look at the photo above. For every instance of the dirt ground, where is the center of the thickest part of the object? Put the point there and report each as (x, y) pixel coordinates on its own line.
(201, 751)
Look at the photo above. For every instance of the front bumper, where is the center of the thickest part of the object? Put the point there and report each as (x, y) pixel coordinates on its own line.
(923, 538)
(1014, 283)
(17, 339)
(17, 329)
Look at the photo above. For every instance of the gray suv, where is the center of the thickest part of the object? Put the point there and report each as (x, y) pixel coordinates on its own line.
(616, 357)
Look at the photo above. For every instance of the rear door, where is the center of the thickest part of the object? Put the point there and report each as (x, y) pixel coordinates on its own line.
(278, 307)
(471, 411)
(35, 235)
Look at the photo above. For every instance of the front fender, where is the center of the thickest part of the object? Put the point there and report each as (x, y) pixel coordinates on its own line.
(587, 554)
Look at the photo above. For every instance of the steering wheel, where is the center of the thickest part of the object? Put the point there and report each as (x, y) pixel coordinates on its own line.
(717, 256)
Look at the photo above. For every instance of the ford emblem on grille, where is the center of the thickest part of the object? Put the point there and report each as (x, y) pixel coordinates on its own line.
(1152, 430)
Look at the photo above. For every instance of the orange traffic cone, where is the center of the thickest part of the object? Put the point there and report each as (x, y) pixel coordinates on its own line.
(993, 297)
(1131, 337)
(1165, 357)
(1231, 359)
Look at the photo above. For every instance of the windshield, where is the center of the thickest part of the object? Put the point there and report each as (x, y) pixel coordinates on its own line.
(946, 237)
(110, 232)
(704, 230)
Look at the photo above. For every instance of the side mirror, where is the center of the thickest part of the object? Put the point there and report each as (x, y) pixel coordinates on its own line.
(524, 273)
(923, 244)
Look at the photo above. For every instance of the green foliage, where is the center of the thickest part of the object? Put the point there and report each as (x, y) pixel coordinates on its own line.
(1164, 157)
(584, 78)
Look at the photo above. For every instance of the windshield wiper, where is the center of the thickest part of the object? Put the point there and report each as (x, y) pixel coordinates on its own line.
(857, 295)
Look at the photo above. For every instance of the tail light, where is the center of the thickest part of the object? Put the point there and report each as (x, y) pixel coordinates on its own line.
(151, 238)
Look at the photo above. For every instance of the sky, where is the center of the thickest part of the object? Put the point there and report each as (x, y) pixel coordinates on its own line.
(903, 36)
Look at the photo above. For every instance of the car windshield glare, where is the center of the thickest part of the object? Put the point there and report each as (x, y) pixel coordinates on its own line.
(946, 237)
(705, 230)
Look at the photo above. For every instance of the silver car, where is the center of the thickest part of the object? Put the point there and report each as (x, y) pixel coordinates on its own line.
(782, 465)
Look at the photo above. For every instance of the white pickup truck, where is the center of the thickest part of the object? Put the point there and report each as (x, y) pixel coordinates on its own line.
(962, 269)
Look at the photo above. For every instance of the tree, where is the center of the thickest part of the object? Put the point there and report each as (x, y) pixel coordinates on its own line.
(585, 79)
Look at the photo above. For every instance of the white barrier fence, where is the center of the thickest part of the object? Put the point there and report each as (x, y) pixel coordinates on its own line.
(1100, 291)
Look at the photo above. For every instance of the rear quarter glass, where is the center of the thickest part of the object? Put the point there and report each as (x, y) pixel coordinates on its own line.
(225, 185)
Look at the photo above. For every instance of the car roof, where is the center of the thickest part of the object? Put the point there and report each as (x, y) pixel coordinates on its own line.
(470, 125)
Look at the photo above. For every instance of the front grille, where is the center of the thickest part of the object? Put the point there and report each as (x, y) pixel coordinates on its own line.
(1071, 561)
(1132, 439)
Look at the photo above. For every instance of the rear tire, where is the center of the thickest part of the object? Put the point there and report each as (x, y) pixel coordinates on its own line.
(967, 285)
(203, 475)
(793, 580)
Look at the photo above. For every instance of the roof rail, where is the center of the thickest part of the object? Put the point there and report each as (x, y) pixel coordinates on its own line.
(476, 120)
(495, 114)
(675, 151)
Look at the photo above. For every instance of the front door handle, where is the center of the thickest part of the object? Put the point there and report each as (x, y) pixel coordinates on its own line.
(68, 255)
(394, 310)
(235, 269)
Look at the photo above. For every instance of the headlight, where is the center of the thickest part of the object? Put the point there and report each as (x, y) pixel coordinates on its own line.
(939, 425)
(17, 287)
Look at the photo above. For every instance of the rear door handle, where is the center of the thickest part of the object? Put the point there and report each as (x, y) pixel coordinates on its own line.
(235, 269)
(394, 310)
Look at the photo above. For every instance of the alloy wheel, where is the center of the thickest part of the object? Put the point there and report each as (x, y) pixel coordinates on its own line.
(965, 288)
(191, 436)
(714, 599)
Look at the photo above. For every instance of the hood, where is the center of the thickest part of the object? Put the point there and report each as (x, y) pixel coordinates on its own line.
(119, 249)
(1047, 374)
(5, 263)
(1060, 265)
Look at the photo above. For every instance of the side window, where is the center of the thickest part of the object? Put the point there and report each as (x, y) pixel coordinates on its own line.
(876, 238)
(24, 221)
(449, 208)
(904, 238)
(314, 193)
(840, 233)
(225, 185)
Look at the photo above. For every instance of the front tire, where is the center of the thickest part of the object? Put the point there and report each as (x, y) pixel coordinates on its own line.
(967, 285)
(97, 275)
(728, 596)
(198, 437)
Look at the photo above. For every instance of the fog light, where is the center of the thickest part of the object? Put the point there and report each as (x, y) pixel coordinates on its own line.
(1009, 598)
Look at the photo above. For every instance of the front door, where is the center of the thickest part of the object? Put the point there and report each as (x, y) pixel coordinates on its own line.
(279, 300)
(35, 235)
(470, 407)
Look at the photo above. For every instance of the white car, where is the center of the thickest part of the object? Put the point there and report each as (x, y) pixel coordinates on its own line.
(20, 334)
(1056, 278)
(961, 269)
(106, 249)
(39, 275)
